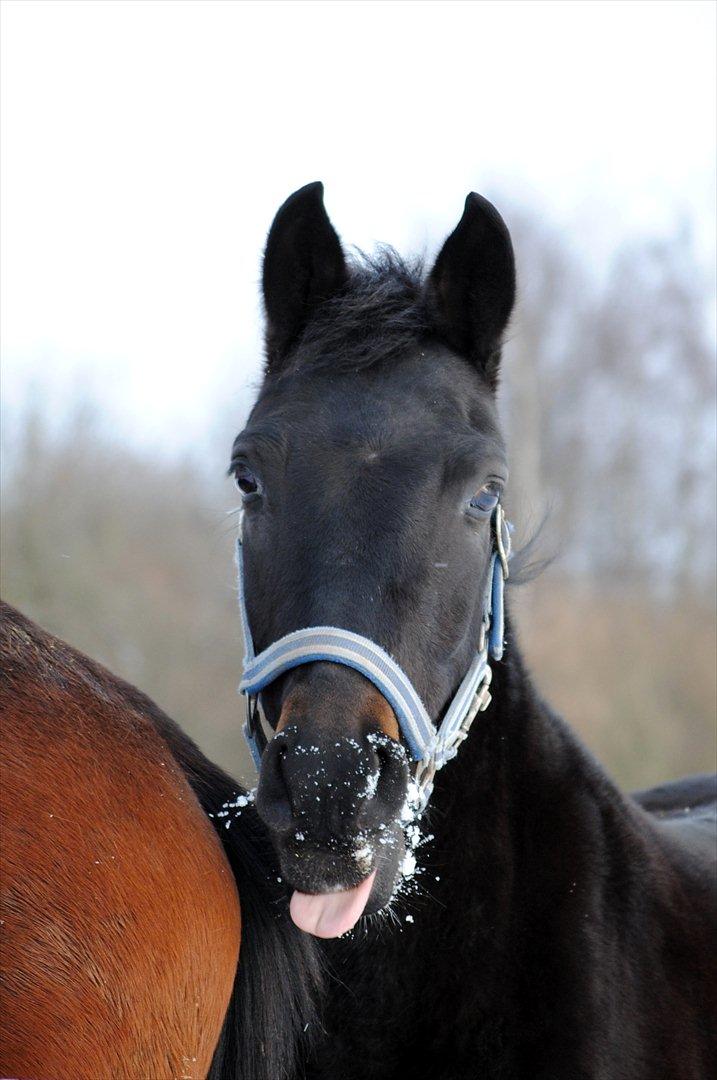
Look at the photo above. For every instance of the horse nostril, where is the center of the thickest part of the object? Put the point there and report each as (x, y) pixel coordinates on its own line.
(273, 799)
(386, 786)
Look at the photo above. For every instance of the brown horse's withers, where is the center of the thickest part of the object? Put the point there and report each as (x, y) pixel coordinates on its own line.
(120, 916)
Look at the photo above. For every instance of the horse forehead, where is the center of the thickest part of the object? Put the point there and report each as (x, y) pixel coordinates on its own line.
(372, 449)
(369, 429)
(404, 419)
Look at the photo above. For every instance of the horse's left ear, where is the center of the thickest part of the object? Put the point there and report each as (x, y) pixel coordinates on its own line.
(304, 265)
(471, 289)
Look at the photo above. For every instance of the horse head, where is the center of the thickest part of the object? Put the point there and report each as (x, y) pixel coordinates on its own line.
(369, 469)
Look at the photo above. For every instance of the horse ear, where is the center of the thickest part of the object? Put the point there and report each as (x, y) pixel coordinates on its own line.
(303, 266)
(471, 289)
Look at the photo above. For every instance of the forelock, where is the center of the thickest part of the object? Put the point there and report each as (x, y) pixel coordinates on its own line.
(378, 317)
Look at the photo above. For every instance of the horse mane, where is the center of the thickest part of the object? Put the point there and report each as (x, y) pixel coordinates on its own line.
(379, 315)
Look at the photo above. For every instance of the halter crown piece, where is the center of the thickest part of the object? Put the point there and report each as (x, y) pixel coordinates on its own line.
(429, 746)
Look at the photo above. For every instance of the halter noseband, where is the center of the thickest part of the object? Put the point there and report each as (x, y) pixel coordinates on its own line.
(429, 746)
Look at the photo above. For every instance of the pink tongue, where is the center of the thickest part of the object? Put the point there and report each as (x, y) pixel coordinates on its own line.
(331, 914)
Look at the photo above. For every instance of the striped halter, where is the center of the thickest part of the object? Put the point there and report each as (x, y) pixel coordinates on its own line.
(430, 746)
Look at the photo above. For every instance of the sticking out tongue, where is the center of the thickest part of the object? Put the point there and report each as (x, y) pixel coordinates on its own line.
(329, 915)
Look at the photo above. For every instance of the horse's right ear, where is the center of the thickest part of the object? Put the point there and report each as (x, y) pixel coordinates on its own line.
(303, 266)
(471, 289)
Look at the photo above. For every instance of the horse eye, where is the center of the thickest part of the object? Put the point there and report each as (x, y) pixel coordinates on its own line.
(246, 481)
(486, 500)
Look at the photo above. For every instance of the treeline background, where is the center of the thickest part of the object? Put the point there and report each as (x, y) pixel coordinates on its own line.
(609, 404)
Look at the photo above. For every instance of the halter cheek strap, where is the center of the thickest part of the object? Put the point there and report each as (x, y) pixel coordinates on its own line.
(429, 746)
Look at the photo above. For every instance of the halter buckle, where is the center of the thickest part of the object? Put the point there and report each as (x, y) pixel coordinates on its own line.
(480, 703)
(425, 772)
(253, 731)
(483, 696)
(502, 539)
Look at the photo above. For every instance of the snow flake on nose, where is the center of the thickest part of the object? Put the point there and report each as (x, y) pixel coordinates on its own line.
(364, 857)
(371, 785)
(232, 808)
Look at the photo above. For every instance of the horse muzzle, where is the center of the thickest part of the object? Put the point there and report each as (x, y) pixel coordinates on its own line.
(332, 789)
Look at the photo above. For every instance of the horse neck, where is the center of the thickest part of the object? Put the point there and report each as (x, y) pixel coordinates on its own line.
(521, 820)
(502, 933)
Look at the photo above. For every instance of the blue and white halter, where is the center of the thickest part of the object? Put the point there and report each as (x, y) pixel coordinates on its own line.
(429, 746)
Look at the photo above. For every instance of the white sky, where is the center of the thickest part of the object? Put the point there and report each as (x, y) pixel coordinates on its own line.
(146, 146)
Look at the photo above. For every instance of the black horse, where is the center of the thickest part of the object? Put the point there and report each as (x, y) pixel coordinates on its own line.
(560, 928)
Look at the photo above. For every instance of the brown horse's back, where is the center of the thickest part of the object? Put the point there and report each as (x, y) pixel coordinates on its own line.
(120, 918)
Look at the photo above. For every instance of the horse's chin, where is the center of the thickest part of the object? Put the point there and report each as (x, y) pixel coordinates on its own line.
(331, 914)
(383, 890)
(328, 905)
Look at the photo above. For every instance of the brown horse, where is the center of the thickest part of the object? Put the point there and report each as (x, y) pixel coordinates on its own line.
(120, 914)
